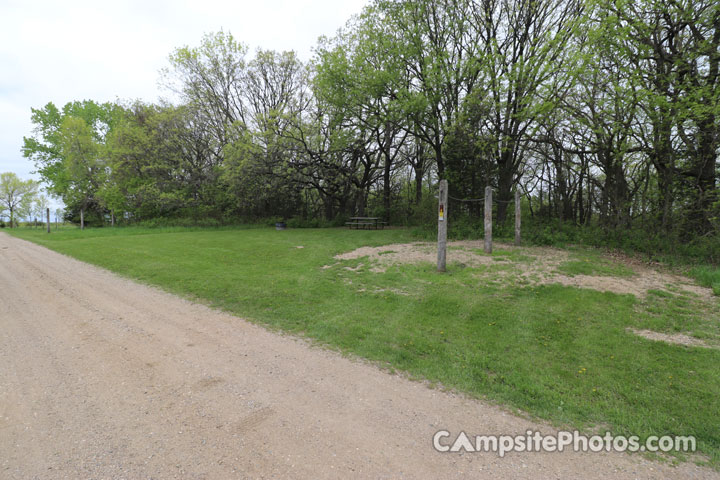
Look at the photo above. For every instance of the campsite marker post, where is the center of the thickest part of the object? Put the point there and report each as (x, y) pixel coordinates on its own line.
(442, 225)
(488, 219)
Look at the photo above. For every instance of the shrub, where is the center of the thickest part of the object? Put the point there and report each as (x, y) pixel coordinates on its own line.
(707, 277)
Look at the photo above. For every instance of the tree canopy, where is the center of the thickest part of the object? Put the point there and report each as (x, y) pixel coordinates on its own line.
(599, 113)
(16, 196)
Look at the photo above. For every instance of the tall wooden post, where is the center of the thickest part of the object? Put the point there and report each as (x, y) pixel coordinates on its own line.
(112, 218)
(442, 224)
(517, 216)
(488, 219)
(82, 218)
(47, 210)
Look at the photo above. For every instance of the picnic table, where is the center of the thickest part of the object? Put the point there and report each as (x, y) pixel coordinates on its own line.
(367, 223)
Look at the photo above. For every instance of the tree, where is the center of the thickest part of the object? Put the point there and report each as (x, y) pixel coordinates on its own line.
(16, 195)
(67, 147)
(671, 50)
(432, 42)
(360, 81)
(523, 74)
(211, 79)
(86, 171)
(39, 207)
(59, 214)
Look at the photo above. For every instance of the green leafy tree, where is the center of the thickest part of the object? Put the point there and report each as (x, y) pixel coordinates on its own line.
(355, 77)
(211, 80)
(16, 195)
(430, 41)
(39, 207)
(67, 147)
(84, 168)
(671, 51)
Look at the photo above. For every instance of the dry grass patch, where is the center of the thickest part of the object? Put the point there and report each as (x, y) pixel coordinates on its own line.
(535, 265)
(674, 338)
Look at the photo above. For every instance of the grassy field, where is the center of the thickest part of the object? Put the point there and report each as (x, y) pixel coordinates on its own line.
(559, 353)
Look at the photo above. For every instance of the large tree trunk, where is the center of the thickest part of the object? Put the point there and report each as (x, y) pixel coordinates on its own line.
(439, 160)
(507, 168)
(418, 184)
(705, 171)
(579, 213)
(566, 208)
(419, 169)
(386, 189)
(505, 194)
(386, 171)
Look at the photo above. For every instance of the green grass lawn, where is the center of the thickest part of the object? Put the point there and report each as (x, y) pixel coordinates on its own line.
(559, 353)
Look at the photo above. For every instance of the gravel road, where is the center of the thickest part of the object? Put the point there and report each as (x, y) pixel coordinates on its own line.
(101, 377)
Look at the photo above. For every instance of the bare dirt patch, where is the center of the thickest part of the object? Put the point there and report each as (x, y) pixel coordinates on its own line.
(675, 338)
(535, 265)
(404, 253)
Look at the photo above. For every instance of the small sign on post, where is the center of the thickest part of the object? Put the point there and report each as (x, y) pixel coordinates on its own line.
(442, 225)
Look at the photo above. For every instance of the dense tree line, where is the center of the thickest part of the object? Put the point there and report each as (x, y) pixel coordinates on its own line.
(597, 112)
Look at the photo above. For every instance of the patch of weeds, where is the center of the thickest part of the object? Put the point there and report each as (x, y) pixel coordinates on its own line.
(666, 312)
(707, 277)
(659, 293)
(589, 262)
(515, 256)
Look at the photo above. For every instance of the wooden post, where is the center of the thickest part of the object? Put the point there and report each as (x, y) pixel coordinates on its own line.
(517, 216)
(47, 210)
(488, 219)
(112, 218)
(442, 225)
(82, 219)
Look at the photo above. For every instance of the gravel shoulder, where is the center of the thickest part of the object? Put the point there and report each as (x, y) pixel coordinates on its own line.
(101, 377)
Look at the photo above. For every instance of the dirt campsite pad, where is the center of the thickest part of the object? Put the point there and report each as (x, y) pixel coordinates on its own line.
(101, 377)
(523, 266)
(539, 265)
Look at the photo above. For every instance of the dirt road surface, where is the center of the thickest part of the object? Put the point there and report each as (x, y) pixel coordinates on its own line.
(101, 377)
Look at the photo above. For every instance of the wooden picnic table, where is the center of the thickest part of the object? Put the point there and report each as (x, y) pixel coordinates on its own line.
(367, 223)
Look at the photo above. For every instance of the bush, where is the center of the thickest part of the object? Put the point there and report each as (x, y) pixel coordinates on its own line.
(298, 222)
(162, 222)
(271, 221)
(707, 277)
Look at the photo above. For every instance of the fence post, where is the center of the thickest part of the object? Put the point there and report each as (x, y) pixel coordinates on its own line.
(517, 216)
(47, 211)
(442, 225)
(488, 219)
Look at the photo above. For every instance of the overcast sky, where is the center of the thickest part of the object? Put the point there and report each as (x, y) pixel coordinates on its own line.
(60, 51)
